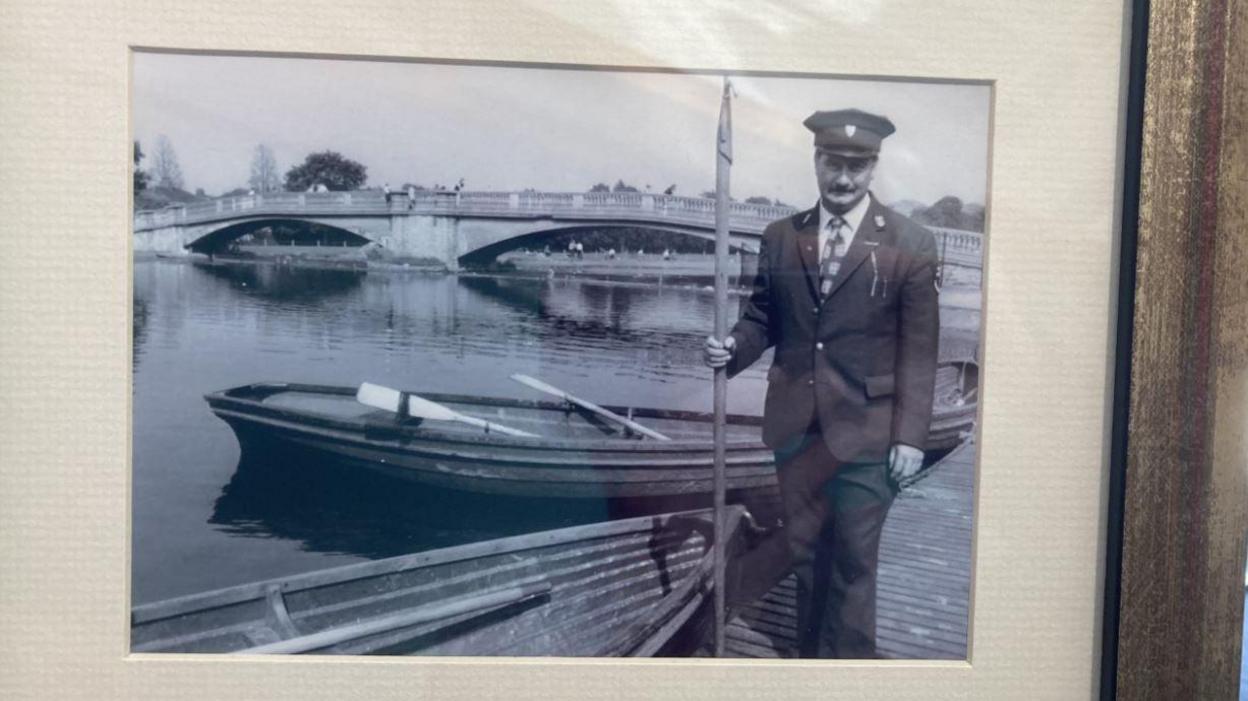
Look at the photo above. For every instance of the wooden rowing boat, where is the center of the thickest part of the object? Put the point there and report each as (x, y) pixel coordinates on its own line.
(956, 405)
(633, 587)
(573, 453)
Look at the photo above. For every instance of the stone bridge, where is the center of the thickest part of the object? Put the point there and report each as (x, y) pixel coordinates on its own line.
(459, 228)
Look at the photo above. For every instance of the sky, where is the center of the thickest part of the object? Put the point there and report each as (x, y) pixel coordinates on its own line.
(552, 129)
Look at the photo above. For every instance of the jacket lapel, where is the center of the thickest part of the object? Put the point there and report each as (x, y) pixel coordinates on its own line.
(806, 224)
(865, 239)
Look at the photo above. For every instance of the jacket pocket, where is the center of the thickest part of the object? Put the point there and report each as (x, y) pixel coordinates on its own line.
(878, 385)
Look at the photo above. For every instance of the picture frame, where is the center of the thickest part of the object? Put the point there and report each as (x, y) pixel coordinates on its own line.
(1040, 573)
(1178, 509)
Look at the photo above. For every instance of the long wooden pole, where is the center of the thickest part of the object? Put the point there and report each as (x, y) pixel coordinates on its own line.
(723, 164)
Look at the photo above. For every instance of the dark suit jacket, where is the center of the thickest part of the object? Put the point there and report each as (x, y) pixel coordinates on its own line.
(862, 361)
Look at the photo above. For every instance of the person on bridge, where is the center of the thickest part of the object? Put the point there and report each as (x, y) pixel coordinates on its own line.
(845, 293)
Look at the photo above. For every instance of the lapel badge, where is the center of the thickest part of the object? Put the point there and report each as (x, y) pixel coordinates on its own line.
(879, 221)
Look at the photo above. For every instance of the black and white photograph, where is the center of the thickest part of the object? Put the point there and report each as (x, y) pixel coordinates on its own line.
(488, 359)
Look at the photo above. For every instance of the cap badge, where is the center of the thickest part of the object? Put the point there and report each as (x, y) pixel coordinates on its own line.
(850, 129)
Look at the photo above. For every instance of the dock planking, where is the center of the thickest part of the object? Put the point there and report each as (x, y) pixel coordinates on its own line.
(924, 584)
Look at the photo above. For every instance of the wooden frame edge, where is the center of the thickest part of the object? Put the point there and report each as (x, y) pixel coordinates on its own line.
(1174, 603)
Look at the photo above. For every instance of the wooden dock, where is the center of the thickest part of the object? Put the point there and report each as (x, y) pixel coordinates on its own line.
(924, 577)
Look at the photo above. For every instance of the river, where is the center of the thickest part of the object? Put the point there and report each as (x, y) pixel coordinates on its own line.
(202, 520)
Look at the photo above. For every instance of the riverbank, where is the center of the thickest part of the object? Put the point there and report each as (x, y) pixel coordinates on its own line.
(690, 271)
(644, 270)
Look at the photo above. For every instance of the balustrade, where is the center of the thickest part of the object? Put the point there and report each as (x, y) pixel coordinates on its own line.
(697, 211)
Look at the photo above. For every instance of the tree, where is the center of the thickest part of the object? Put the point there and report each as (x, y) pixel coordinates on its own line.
(947, 211)
(165, 165)
(328, 168)
(620, 186)
(264, 173)
(600, 187)
(758, 199)
(140, 178)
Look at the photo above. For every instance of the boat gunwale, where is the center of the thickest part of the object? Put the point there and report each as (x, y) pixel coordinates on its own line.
(426, 432)
(740, 457)
(241, 593)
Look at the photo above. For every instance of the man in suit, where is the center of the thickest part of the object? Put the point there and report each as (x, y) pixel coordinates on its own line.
(846, 294)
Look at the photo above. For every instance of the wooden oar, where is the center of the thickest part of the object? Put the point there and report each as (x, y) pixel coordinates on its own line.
(392, 400)
(476, 603)
(589, 406)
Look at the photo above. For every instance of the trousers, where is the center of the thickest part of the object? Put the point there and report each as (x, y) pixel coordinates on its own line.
(833, 516)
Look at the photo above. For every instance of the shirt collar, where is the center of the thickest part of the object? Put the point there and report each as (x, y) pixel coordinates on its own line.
(853, 218)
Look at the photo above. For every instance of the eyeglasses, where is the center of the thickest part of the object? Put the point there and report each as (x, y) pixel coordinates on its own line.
(854, 165)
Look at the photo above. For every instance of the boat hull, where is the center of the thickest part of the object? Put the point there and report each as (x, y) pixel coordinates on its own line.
(627, 587)
(577, 456)
(578, 465)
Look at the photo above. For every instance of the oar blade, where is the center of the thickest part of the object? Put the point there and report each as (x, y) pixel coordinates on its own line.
(380, 397)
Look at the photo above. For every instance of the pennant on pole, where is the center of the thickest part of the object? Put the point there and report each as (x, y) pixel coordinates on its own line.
(725, 123)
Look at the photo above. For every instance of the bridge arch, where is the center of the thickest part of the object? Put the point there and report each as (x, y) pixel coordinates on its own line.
(217, 237)
(546, 231)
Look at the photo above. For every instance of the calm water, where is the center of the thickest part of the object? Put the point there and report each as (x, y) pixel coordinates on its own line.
(202, 519)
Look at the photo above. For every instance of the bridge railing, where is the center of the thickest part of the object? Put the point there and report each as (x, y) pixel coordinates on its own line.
(696, 211)
(620, 207)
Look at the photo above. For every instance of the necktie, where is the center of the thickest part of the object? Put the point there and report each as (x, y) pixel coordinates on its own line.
(833, 251)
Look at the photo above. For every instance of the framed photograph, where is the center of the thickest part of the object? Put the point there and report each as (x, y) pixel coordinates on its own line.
(379, 341)
(386, 334)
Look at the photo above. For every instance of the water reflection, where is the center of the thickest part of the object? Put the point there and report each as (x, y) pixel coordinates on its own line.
(577, 315)
(202, 520)
(284, 283)
(332, 508)
(139, 320)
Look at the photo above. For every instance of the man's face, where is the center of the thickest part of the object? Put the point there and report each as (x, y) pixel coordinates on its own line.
(843, 178)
